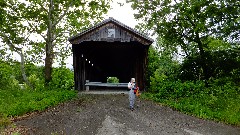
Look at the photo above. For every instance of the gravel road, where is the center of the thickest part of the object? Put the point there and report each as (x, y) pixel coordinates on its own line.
(110, 115)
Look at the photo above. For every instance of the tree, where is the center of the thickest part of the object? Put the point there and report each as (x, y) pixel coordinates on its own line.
(161, 62)
(13, 33)
(53, 21)
(190, 24)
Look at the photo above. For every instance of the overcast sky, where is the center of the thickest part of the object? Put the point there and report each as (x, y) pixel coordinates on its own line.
(123, 13)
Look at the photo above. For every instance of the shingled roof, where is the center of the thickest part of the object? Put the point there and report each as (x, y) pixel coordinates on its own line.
(109, 20)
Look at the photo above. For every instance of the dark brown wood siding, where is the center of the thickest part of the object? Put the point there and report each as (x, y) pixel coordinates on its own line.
(101, 34)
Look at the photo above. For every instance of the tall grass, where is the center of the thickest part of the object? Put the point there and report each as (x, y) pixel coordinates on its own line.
(15, 101)
(219, 103)
(18, 102)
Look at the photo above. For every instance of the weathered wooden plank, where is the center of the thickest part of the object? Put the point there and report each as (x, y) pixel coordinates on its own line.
(101, 34)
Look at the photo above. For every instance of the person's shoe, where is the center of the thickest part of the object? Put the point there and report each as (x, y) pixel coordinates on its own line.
(130, 108)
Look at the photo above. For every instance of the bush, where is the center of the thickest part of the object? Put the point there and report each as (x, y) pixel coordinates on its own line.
(15, 101)
(220, 64)
(174, 89)
(4, 121)
(112, 80)
(7, 78)
(62, 78)
(36, 83)
(217, 102)
(214, 95)
(18, 102)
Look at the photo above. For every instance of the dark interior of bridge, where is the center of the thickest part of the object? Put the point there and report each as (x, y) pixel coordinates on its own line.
(109, 59)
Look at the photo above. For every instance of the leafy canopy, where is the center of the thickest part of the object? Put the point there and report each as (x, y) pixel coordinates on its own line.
(190, 21)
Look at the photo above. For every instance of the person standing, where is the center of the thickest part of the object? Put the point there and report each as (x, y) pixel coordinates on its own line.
(132, 87)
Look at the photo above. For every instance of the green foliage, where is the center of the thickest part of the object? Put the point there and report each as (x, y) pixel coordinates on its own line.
(223, 63)
(4, 121)
(153, 63)
(15, 101)
(31, 71)
(52, 21)
(59, 18)
(189, 20)
(217, 45)
(181, 86)
(34, 73)
(190, 25)
(220, 103)
(63, 78)
(36, 83)
(112, 80)
(160, 63)
(175, 89)
(5, 74)
(206, 81)
(19, 102)
(7, 79)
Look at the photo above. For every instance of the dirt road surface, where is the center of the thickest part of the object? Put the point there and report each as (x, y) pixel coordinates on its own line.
(110, 115)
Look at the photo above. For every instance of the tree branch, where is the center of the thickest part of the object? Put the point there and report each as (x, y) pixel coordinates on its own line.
(43, 8)
(35, 29)
(61, 17)
(20, 52)
(9, 43)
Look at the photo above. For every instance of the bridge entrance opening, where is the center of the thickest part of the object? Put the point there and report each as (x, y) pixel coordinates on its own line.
(96, 55)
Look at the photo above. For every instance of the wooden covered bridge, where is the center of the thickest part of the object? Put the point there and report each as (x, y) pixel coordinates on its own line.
(109, 49)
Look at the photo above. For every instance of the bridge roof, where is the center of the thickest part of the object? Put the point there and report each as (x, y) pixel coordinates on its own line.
(115, 22)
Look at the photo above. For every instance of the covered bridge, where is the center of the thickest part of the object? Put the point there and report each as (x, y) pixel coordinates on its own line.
(109, 49)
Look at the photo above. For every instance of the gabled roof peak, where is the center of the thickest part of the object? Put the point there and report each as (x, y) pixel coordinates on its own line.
(111, 19)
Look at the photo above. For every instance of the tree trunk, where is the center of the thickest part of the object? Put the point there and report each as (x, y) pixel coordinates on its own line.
(206, 74)
(23, 69)
(49, 47)
(21, 54)
(48, 68)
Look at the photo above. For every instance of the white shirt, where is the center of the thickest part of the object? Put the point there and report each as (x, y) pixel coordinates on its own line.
(130, 85)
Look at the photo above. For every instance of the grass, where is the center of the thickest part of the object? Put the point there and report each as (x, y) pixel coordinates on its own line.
(223, 107)
(18, 102)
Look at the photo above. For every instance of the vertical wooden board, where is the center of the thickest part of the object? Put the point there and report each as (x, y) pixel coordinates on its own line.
(80, 74)
(117, 32)
(84, 75)
(98, 36)
(74, 67)
(104, 33)
(77, 68)
(123, 36)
